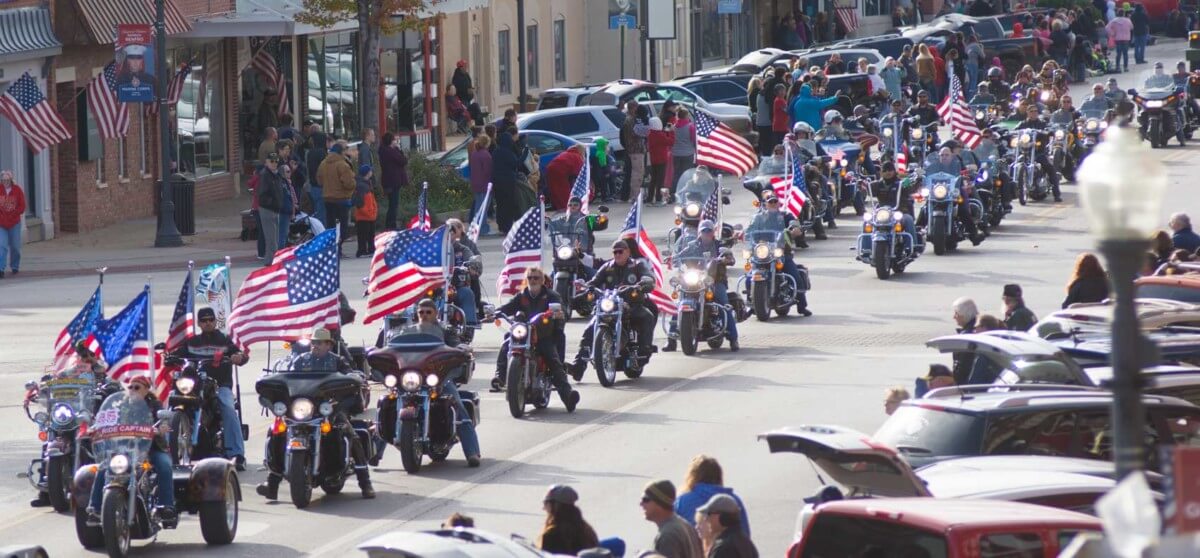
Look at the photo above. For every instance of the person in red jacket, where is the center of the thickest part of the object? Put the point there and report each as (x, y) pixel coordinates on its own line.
(659, 144)
(561, 174)
(12, 208)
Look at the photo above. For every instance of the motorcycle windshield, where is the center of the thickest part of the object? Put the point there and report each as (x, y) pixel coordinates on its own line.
(772, 166)
(940, 184)
(769, 237)
(564, 233)
(124, 426)
(838, 149)
(69, 397)
(1090, 113)
(694, 186)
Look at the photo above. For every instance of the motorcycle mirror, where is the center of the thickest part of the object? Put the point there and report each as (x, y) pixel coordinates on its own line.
(366, 280)
(1131, 91)
(164, 414)
(160, 347)
(725, 191)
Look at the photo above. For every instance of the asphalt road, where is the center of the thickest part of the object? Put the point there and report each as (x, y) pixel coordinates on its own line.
(833, 367)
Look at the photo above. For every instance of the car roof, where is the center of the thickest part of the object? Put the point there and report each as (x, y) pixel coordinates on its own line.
(540, 114)
(447, 543)
(1157, 377)
(1191, 280)
(1012, 485)
(1171, 343)
(941, 514)
(830, 49)
(731, 76)
(1011, 398)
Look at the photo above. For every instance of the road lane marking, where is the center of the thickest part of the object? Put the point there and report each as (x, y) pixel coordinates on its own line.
(438, 498)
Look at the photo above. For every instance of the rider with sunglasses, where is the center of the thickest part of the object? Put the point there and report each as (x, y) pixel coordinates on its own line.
(621, 271)
(428, 323)
(775, 220)
(212, 344)
(535, 299)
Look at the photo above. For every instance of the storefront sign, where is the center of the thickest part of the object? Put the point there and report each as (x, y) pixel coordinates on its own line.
(729, 7)
(135, 64)
(622, 13)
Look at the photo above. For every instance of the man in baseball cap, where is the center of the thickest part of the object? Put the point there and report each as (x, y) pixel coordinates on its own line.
(723, 517)
(219, 354)
(675, 538)
(1017, 316)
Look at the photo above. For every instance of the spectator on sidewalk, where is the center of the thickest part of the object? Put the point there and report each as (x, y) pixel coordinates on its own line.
(892, 399)
(337, 183)
(395, 176)
(704, 480)
(1120, 33)
(480, 164)
(721, 529)
(683, 152)
(565, 531)
(659, 142)
(1141, 32)
(12, 209)
(287, 209)
(561, 174)
(267, 147)
(287, 128)
(316, 154)
(365, 211)
(1183, 237)
(270, 196)
(369, 155)
(1089, 282)
(676, 538)
(1017, 317)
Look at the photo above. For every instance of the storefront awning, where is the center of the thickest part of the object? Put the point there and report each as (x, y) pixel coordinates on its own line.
(103, 16)
(455, 6)
(26, 33)
(261, 18)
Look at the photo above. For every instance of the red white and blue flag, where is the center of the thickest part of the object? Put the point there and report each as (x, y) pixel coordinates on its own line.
(792, 190)
(288, 299)
(522, 249)
(712, 207)
(480, 216)
(582, 188)
(421, 220)
(80, 328)
(174, 88)
(955, 112)
(660, 296)
(720, 148)
(183, 318)
(405, 264)
(111, 116)
(633, 220)
(125, 340)
(264, 63)
(38, 122)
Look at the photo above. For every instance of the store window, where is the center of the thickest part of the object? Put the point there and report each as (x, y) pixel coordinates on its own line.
(505, 63)
(560, 50)
(91, 145)
(874, 7)
(333, 83)
(712, 35)
(404, 87)
(531, 55)
(199, 148)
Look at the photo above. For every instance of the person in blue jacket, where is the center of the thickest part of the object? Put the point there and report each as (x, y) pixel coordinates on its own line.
(807, 108)
(705, 480)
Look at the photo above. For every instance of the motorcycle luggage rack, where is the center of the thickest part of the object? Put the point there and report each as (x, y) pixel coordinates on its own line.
(967, 390)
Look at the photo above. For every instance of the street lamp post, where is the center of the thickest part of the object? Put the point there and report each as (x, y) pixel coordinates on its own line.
(167, 234)
(1121, 185)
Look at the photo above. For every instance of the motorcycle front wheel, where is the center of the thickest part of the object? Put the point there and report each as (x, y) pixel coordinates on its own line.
(89, 537)
(299, 482)
(687, 333)
(219, 520)
(605, 359)
(565, 289)
(759, 296)
(114, 519)
(516, 387)
(180, 439)
(937, 235)
(58, 482)
(410, 451)
(881, 260)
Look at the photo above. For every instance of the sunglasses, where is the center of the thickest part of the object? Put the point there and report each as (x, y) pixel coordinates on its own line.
(645, 500)
(137, 387)
(425, 312)
(772, 202)
(535, 278)
(619, 251)
(202, 320)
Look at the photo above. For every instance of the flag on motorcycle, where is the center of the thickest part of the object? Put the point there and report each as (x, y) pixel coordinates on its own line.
(405, 264)
(955, 112)
(125, 340)
(712, 207)
(720, 148)
(582, 188)
(660, 296)
(421, 220)
(182, 319)
(792, 190)
(522, 248)
(286, 300)
(633, 220)
(480, 216)
(212, 287)
(80, 328)
(902, 160)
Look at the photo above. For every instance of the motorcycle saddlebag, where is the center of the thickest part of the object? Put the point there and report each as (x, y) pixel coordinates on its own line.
(805, 284)
(470, 400)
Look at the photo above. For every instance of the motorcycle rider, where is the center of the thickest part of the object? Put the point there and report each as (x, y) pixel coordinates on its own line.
(890, 190)
(621, 271)
(774, 220)
(986, 150)
(1114, 92)
(803, 144)
(1182, 76)
(1066, 116)
(707, 243)
(997, 85)
(582, 227)
(210, 345)
(1097, 102)
(320, 358)
(983, 96)
(1034, 122)
(466, 253)
(535, 299)
(1160, 79)
(139, 388)
(949, 163)
(927, 115)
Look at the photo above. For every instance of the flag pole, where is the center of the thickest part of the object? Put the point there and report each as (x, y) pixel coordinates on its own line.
(150, 329)
(544, 232)
(228, 289)
(100, 288)
(237, 377)
(191, 296)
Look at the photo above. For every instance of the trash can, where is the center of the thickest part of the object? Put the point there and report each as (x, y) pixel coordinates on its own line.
(183, 194)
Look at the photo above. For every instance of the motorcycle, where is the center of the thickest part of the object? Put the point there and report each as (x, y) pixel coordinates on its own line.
(700, 317)
(528, 379)
(415, 415)
(63, 430)
(990, 181)
(921, 140)
(1061, 149)
(843, 166)
(693, 192)
(767, 287)
(303, 228)
(944, 199)
(305, 406)
(769, 173)
(569, 257)
(1089, 131)
(196, 427)
(615, 343)
(884, 244)
(1157, 115)
(1031, 179)
(122, 435)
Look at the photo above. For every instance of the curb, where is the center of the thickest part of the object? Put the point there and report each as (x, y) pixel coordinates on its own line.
(137, 268)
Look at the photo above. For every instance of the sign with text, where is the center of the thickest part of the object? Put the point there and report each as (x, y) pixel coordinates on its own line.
(135, 63)
(729, 7)
(622, 13)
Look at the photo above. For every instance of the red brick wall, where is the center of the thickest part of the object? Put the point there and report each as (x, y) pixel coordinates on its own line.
(193, 8)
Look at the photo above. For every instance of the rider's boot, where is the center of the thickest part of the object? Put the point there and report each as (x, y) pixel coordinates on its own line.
(42, 500)
(579, 366)
(364, 482)
(269, 489)
(671, 344)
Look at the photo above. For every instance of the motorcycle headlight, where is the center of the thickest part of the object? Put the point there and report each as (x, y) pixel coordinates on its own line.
(761, 251)
(279, 408)
(883, 216)
(845, 163)
(1026, 139)
(390, 381)
(1012, 142)
(1092, 125)
(940, 191)
(607, 305)
(745, 254)
(918, 133)
(1154, 104)
(887, 132)
(979, 115)
(564, 252)
(1045, 96)
(118, 464)
(777, 252)
(1058, 134)
(692, 210)
(691, 278)
(431, 380)
(678, 210)
(410, 381)
(185, 385)
(983, 176)
(326, 409)
(519, 331)
(302, 409)
(62, 413)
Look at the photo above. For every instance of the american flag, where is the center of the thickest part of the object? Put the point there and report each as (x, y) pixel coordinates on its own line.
(125, 340)
(405, 264)
(80, 328)
(522, 248)
(289, 298)
(212, 287)
(848, 17)
(31, 114)
(182, 319)
(264, 63)
(955, 112)
(480, 216)
(421, 220)
(720, 148)
(712, 207)
(902, 160)
(660, 296)
(175, 88)
(792, 190)
(111, 116)
(633, 220)
(582, 188)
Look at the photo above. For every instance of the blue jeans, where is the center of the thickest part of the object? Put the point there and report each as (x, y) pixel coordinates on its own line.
(165, 488)
(466, 428)
(464, 298)
(10, 247)
(317, 195)
(476, 207)
(721, 294)
(972, 78)
(234, 445)
(285, 228)
(1122, 53)
(393, 207)
(1139, 48)
(790, 268)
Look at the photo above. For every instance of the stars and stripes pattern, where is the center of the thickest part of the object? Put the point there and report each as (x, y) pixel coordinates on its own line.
(26, 107)
(480, 216)
(792, 190)
(174, 88)
(421, 220)
(264, 63)
(287, 299)
(902, 160)
(848, 17)
(125, 340)
(522, 248)
(712, 207)
(955, 112)
(633, 220)
(720, 148)
(183, 318)
(660, 295)
(582, 188)
(405, 264)
(80, 328)
(111, 115)
(213, 287)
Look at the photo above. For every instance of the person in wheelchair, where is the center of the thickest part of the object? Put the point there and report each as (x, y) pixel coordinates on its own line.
(457, 112)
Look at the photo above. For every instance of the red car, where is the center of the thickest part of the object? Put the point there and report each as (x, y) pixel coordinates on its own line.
(937, 528)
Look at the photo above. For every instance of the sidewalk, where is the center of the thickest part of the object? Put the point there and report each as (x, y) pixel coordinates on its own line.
(129, 246)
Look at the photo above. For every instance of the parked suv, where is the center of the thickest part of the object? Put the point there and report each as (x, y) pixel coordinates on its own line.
(580, 123)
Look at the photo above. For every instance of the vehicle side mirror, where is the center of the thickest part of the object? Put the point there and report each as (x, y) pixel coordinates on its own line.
(1131, 91)
(160, 346)
(604, 209)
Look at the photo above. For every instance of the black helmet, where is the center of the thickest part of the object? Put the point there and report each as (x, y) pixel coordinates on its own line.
(952, 144)
(994, 72)
(861, 110)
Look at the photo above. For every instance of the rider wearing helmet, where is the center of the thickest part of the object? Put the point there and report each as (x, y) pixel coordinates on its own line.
(707, 244)
(926, 114)
(949, 163)
(833, 128)
(1034, 122)
(996, 83)
(802, 142)
(983, 96)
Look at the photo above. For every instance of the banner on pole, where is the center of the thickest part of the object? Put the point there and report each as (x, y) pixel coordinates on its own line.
(622, 13)
(135, 60)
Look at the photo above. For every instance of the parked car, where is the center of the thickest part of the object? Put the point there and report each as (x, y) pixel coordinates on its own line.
(1096, 317)
(581, 123)
(1183, 286)
(728, 88)
(820, 55)
(888, 44)
(753, 62)
(1013, 53)
(563, 97)
(941, 528)
(445, 543)
(619, 92)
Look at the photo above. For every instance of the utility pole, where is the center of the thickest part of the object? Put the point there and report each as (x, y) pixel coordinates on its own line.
(522, 56)
(168, 233)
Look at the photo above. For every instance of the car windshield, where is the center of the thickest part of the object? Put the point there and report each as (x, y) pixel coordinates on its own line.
(918, 431)
(837, 536)
(553, 101)
(1171, 292)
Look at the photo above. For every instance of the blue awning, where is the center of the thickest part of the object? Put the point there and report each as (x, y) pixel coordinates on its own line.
(26, 33)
